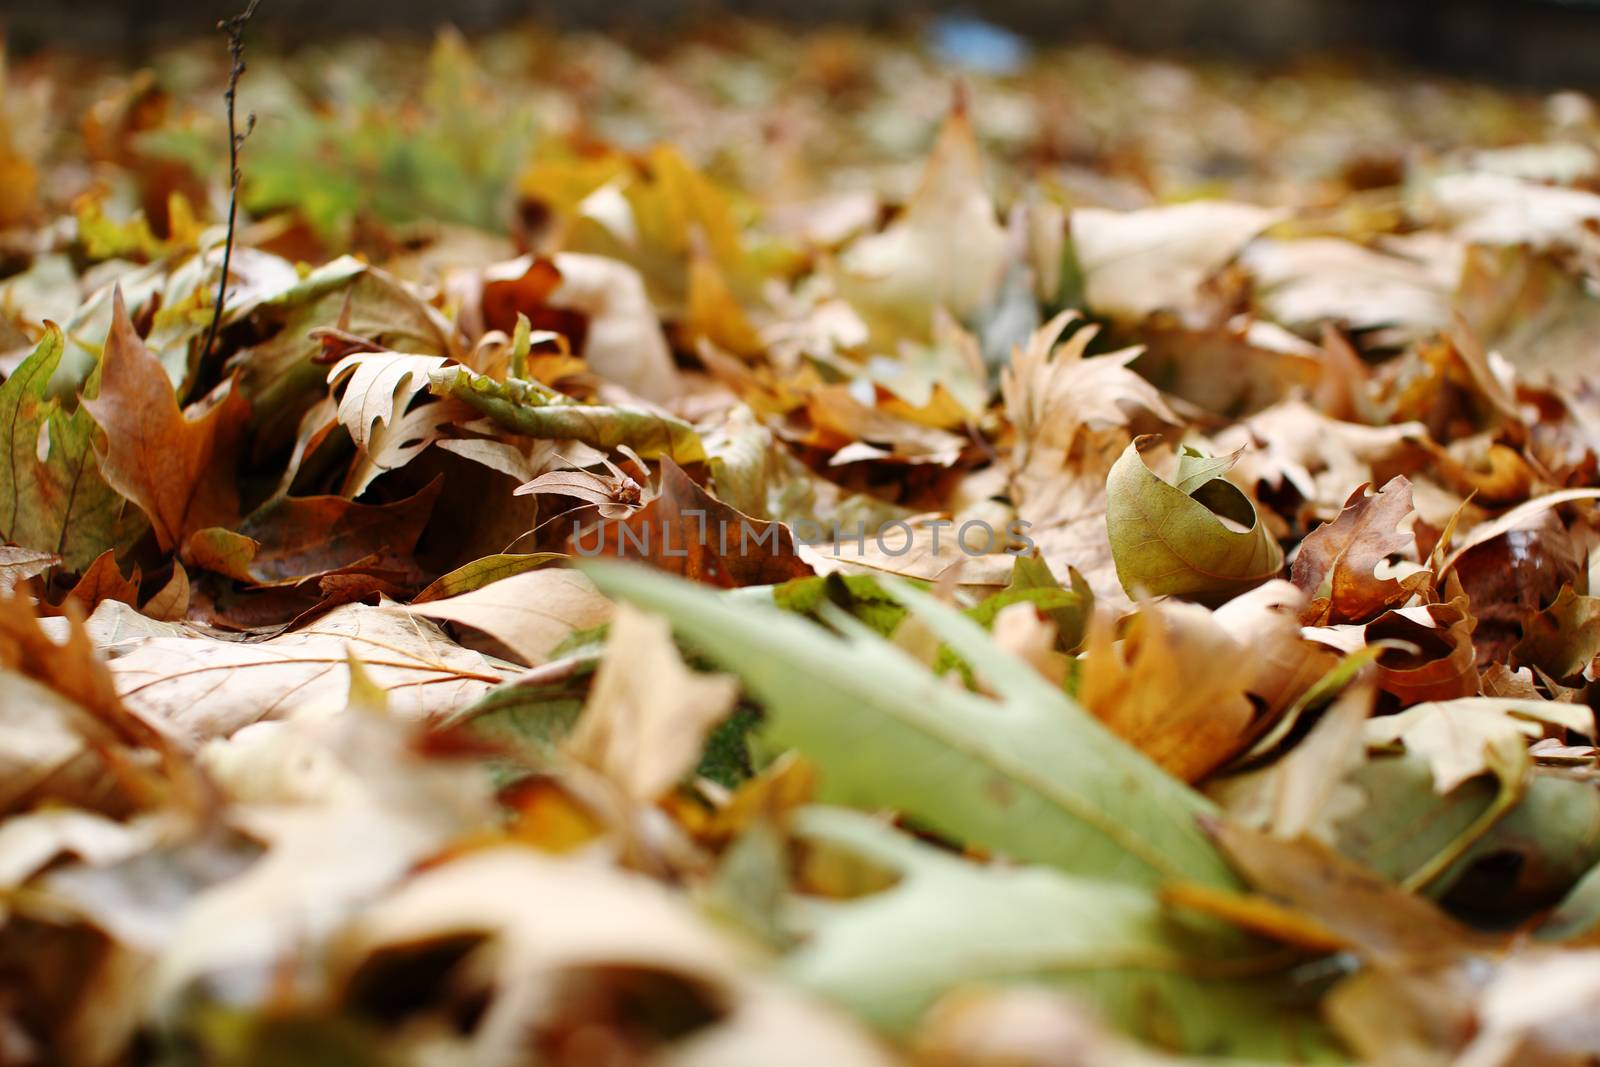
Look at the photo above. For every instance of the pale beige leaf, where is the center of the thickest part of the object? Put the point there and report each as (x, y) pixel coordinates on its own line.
(379, 389)
(624, 343)
(948, 250)
(1458, 738)
(1304, 283)
(205, 687)
(1137, 262)
(530, 613)
(648, 715)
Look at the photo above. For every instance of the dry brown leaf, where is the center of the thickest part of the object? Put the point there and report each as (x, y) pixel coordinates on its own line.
(1337, 562)
(177, 466)
(104, 581)
(1173, 686)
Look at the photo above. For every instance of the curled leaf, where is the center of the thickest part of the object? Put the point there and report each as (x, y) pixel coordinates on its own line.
(533, 411)
(1199, 538)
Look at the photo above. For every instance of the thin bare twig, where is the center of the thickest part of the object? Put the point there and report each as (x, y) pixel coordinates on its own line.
(234, 28)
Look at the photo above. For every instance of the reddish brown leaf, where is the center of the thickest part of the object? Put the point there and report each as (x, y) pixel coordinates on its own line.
(104, 581)
(1336, 561)
(685, 530)
(1441, 668)
(177, 466)
(290, 539)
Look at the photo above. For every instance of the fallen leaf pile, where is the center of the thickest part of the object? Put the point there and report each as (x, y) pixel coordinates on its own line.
(789, 548)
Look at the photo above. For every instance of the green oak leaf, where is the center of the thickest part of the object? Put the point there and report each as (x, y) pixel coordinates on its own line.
(1031, 775)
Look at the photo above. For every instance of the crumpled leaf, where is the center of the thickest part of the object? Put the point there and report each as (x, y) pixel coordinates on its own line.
(176, 466)
(1170, 539)
(685, 530)
(104, 580)
(379, 388)
(281, 376)
(648, 715)
(1435, 658)
(528, 409)
(1173, 687)
(1052, 390)
(1337, 561)
(53, 497)
(618, 334)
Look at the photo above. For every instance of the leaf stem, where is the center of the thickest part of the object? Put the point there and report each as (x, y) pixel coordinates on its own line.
(234, 28)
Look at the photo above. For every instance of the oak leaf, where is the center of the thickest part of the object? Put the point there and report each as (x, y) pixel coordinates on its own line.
(1337, 561)
(1563, 639)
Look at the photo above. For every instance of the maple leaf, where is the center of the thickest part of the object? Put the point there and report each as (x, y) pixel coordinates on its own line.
(176, 465)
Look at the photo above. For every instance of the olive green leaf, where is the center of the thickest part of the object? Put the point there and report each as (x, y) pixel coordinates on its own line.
(1033, 776)
(1564, 638)
(533, 410)
(1198, 537)
(52, 497)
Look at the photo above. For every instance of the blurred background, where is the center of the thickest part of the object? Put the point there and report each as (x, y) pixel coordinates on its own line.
(1539, 43)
